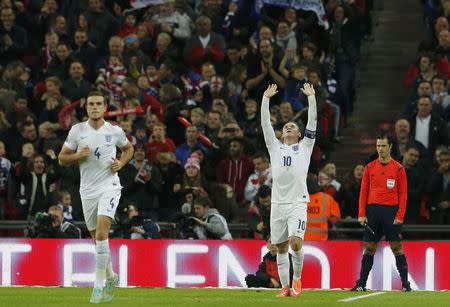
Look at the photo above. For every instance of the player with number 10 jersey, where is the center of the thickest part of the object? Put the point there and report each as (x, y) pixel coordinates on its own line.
(289, 159)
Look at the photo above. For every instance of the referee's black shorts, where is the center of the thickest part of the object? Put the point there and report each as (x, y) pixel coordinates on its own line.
(380, 219)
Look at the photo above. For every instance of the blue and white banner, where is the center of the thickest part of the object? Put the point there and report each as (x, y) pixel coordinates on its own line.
(307, 5)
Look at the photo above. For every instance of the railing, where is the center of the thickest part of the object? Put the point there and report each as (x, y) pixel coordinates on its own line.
(342, 229)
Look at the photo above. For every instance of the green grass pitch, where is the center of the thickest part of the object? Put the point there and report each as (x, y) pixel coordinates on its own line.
(35, 296)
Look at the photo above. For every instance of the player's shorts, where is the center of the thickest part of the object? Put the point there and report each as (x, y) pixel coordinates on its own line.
(287, 220)
(106, 204)
(380, 219)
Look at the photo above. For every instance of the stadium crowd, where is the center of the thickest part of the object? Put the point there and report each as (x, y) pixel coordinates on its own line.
(184, 79)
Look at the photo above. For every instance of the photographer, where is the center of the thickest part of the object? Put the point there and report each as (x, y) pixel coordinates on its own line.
(210, 224)
(138, 227)
(52, 225)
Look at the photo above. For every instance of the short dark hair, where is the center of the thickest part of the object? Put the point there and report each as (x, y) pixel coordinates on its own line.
(412, 145)
(260, 155)
(264, 191)
(97, 93)
(203, 201)
(385, 135)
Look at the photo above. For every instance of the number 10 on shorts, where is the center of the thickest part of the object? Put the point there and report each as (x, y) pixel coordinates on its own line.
(301, 225)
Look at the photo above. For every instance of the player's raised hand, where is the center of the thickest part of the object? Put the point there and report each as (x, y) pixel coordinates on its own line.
(271, 91)
(308, 89)
(116, 165)
(84, 153)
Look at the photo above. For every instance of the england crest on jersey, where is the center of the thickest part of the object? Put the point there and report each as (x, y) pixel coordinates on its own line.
(295, 147)
(108, 138)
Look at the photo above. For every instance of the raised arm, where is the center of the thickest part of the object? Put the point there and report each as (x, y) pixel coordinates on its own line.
(311, 125)
(269, 134)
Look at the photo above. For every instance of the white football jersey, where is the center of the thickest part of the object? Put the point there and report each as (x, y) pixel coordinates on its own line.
(96, 174)
(289, 163)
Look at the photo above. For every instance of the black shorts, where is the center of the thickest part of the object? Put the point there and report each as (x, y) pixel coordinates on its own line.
(380, 219)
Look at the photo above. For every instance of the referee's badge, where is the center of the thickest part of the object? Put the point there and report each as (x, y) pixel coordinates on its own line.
(108, 138)
(390, 183)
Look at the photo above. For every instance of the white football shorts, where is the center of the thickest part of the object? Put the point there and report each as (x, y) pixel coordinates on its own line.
(106, 204)
(287, 220)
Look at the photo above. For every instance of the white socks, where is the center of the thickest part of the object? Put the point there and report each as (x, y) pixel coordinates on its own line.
(109, 269)
(283, 268)
(101, 261)
(297, 262)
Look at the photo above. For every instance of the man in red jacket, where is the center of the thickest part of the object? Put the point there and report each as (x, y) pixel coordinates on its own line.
(382, 206)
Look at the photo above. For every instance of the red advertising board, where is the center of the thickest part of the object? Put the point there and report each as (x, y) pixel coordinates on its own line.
(171, 263)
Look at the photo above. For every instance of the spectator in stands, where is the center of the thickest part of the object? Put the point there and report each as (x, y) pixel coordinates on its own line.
(350, 192)
(170, 171)
(35, 187)
(172, 22)
(67, 229)
(5, 169)
(344, 49)
(59, 67)
(164, 50)
(416, 177)
(142, 183)
(204, 46)
(101, 22)
(14, 38)
(285, 37)
(235, 169)
(327, 180)
(262, 70)
(27, 134)
(184, 151)
(85, 51)
(251, 123)
(428, 128)
(64, 200)
(295, 80)
(47, 54)
(439, 191)
(210, 224)
(139, 227)
(213, 124)
(322, 209)
(262, 176)
(159, 142)
(76, 87)
(403, 138)
(258, 216)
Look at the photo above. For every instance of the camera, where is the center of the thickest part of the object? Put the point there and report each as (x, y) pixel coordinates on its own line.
(43, 226)
(185, 224)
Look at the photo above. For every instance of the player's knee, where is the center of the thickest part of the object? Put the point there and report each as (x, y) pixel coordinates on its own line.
(296, 244)
(282, 248)
(396, 248)
(101, 235)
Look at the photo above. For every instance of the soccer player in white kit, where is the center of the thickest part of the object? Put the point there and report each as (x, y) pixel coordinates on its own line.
(92, 144)
(289, 159)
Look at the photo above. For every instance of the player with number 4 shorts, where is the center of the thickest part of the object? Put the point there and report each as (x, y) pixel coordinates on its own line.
(92, 144)
(290, 158)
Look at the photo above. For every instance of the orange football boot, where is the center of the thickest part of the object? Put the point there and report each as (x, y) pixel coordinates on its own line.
(284, 292)
(296, 287)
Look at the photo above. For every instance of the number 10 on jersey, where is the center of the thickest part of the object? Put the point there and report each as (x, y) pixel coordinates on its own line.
(287, 160)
